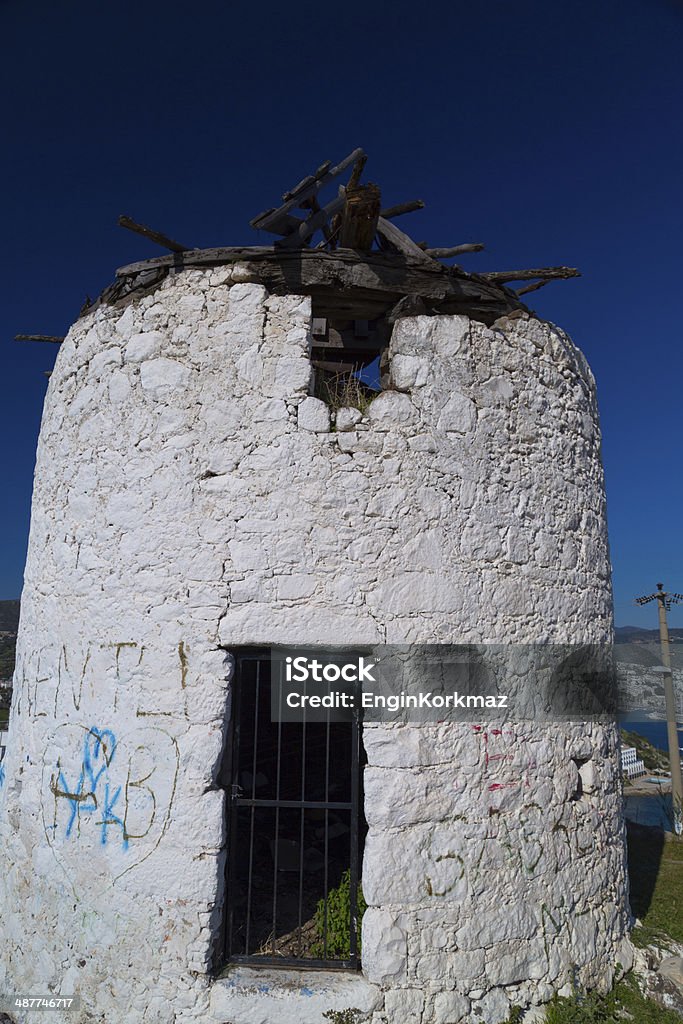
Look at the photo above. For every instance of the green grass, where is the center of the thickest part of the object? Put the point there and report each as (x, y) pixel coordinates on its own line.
(656, 882)
(625, 999)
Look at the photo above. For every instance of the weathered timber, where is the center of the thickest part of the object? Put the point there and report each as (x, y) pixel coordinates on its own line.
(536, 286)
(309, 180)
(317, 219)
(401, 208)
(545, 273)
(409, 305)
(401, 242)
(54, 339)
(347, 340)
(269, 220)
(343, 286)
(313, 204)
(454, 250)
(358, 168)
(360, 216)
(153, 236)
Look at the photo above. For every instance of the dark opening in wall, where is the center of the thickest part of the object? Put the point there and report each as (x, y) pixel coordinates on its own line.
(578, 791)
(347, 357)
(295, 830)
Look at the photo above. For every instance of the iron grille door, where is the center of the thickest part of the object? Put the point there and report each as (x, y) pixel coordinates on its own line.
(295, 829)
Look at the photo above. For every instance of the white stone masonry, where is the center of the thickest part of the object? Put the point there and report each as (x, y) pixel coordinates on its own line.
(191, 497)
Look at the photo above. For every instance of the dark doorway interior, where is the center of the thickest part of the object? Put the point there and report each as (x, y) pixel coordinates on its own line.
(296, 829)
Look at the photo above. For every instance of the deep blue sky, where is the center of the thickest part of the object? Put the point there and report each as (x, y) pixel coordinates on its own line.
(549, 131)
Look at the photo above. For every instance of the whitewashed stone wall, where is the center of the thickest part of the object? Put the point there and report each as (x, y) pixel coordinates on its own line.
(189, 498)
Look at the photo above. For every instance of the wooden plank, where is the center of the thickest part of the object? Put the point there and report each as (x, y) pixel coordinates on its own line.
(304, 191)
(51, 338)
(398, 240)
(313, 204)
(346, 287)
(545, 273)
(535, 287)
(401, 208)
(285, 224)
(153, 236)
(305, 182)
(347, 340)
(360, 216)
(318, 219)
(454, 250)
(358, 168)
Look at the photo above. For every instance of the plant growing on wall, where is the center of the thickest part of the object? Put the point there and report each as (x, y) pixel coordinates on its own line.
(350, 1016)
(337, 918)
(344, 390)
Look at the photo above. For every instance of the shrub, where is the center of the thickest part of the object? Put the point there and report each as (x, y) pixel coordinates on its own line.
(338, 921)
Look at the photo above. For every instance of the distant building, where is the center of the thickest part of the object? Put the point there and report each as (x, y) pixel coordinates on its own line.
(631, 765)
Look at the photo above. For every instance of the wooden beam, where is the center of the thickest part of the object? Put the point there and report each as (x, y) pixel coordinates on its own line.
(454, 250)
(309, 180)
(52, 338)
(358, 167)
(360, 217)
(153, 236)
(317, 219)
(545, 273)
(310, 186)
(345, 286)
(399, 241)
(398, 211)
(535, 287)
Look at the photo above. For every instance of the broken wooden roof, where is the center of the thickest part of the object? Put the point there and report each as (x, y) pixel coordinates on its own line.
(347, 253)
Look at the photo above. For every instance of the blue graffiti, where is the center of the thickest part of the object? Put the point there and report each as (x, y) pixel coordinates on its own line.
(88, 796)
(2, 776)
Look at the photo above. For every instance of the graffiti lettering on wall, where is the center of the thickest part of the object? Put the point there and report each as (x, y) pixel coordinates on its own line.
(87, 796)
(110, 790)
(53, 681)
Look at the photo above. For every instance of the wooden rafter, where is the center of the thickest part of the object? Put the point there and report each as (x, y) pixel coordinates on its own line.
(151, 234)
(401, 208)
(545, 273)
(454, 250)
(398, 241)
(53, 339)
(273, 220)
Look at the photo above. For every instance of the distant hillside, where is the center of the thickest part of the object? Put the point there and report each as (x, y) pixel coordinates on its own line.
(9, 616)
(635, 634)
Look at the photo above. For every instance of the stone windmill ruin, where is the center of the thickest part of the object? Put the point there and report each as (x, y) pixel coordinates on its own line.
(205, 492)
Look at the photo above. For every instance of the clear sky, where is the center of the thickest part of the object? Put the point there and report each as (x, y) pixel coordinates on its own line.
(549, 131)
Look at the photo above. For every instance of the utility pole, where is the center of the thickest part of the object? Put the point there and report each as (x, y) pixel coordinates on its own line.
(664, 602)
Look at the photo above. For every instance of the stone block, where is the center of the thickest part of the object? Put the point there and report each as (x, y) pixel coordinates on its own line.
(144, 346)
(384, 948)
(314, 415)
(347, 418)
(458, 416)
(450, 1008)
(161, 376)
